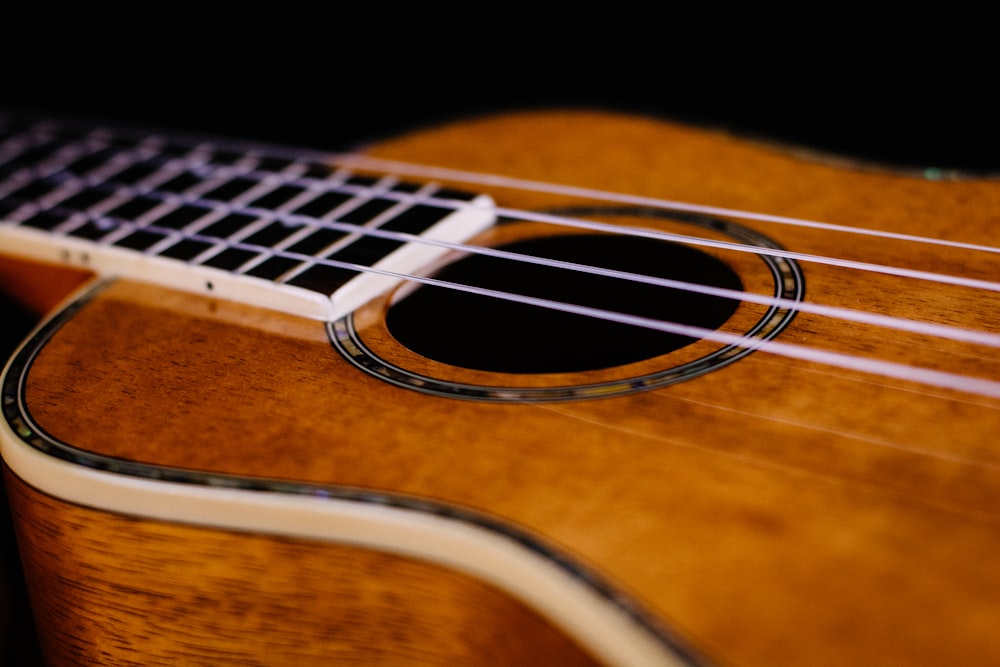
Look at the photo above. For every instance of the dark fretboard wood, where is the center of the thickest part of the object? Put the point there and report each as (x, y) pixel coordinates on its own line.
(264, 226)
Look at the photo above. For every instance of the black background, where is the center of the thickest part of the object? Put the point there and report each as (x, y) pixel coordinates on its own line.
(911, 90)
(914, 89)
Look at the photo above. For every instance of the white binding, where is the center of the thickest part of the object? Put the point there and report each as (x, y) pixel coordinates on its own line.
(459, 225)
(585, 615)
(490, 557)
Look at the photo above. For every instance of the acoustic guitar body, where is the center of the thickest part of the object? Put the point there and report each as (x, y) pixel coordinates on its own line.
(198, 480)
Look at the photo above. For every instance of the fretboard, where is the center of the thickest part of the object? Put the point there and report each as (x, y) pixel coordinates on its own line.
(276, 228)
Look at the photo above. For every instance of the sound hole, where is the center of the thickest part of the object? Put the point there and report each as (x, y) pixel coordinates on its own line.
(490, 334)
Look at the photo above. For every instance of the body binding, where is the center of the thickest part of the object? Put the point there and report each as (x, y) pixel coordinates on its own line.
(771, 511)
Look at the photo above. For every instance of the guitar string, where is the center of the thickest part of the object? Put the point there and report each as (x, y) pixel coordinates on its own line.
(950, 332)
(853, 315)
(429, 172)
(903, 324)
(920, 327)
(927, 376)
(879, 367)
(426, 171)
(432, 172)
(894, 370)
(658, 235)
(885, 269)
(899, 371)
(566, 221)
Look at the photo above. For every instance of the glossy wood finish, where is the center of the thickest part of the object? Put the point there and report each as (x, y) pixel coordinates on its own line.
(773, 512)
(185, 595)
(39, 287)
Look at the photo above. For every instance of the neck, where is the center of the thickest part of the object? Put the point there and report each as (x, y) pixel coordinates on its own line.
(272, 228)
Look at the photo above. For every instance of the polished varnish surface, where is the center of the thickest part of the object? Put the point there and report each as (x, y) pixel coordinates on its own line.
(774, 511)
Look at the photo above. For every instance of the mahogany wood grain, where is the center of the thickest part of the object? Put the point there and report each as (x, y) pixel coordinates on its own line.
(773, 512)
(116, 590)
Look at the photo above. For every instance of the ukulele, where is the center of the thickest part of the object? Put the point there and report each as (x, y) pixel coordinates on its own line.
(546, 387)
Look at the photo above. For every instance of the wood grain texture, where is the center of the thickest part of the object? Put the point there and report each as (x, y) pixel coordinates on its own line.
(774, 512)
(115, 590)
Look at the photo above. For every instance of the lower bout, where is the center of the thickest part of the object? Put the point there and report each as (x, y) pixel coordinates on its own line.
(112, 589)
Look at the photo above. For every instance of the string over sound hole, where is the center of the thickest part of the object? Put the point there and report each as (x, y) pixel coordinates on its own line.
(489, 334)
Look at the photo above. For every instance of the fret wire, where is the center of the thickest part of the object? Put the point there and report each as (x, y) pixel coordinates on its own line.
(913, 326)
(209, 184)
(865, 317)
(73, 149)
(341, 242)
(680, 238)
(451, 204)
(353, 234)
(20, 143)
(263, 187)
(259, 259)
(497, 180)
(941, 379)
(295, 237)
(849, 314)
(249, 230)
(725, 245)
(860, 316)
(562, 220)
(579, 223)
(208, 253)
(168, 241)
(298, 200)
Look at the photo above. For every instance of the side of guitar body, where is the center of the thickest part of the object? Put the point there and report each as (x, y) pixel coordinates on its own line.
(773, 511)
